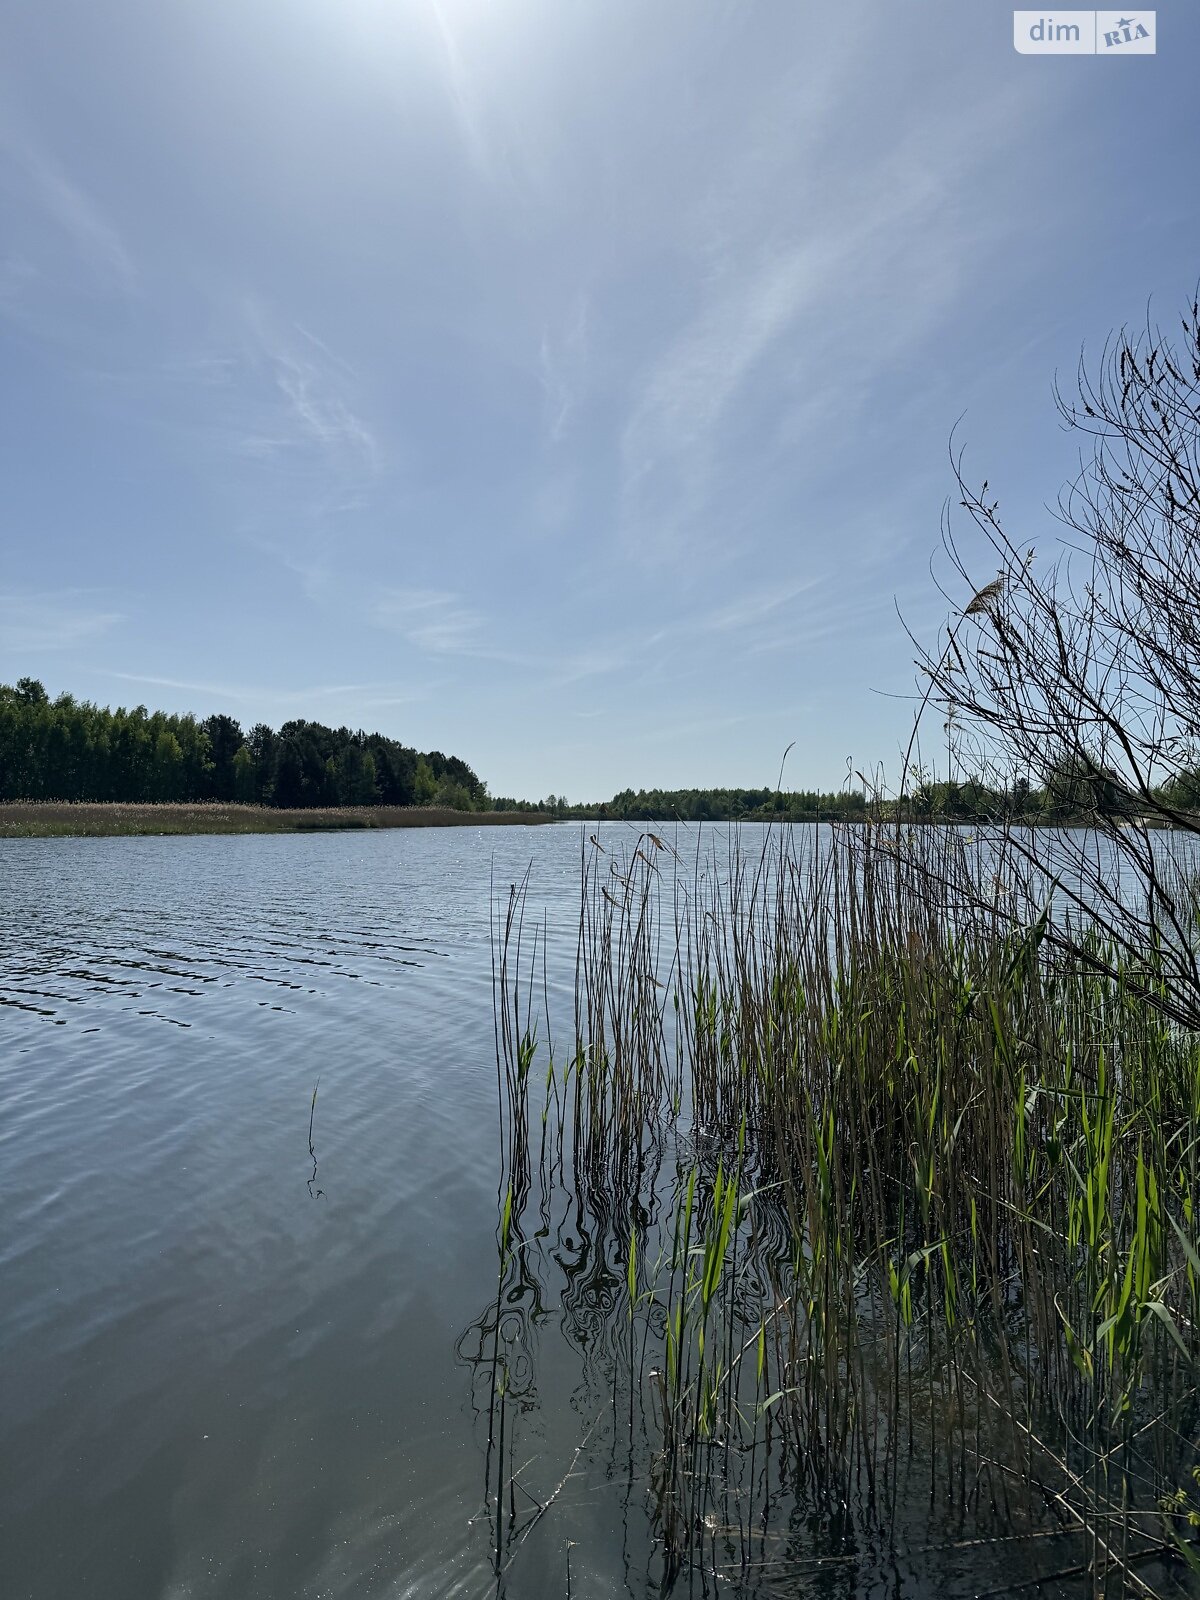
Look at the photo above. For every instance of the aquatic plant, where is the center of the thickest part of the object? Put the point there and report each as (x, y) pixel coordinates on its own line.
(889, 1201)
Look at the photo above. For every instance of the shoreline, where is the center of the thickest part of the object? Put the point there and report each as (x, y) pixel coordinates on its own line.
(114, 819)
(83, 819)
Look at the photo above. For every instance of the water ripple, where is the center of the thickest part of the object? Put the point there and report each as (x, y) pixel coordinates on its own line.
(219, 1387)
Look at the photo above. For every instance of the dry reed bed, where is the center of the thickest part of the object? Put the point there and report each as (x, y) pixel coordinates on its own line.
(52, 819)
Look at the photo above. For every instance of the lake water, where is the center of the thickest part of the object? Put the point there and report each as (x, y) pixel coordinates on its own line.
(224, 1375)
(216, 1382)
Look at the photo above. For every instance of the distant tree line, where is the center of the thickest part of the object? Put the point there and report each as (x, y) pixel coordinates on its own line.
(69, 749)
(700, 805)
(1075, 792)
(727, 805)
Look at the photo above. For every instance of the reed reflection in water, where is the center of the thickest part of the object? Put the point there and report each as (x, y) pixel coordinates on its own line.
(870, 1232)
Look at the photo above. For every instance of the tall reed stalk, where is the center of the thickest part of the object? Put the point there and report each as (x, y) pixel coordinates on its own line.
(930, 1228)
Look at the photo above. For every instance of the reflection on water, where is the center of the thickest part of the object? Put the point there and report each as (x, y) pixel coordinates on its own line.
(214, 1386)
(749, 1511)
(314, 1192)
(796, 1358)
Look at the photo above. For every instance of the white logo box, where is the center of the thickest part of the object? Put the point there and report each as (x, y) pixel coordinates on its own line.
(1084, 33)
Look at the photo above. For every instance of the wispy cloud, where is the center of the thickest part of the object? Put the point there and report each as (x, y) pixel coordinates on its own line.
(666, 447)
(838, 617)
(326, 418)
(313, 385)
(93, 237)
(442, 623)
(464, 96)
(792, 323)
(32, 623)
(750, 610)
(562, 366)
(263, 389)
(743, 622)
(376, 694)
(431, 619)
(16, 275)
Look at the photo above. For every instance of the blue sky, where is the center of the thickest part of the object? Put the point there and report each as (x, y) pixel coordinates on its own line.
(562, 385)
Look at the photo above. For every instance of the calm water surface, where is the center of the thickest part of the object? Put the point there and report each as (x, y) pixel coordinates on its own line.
(216, 1379)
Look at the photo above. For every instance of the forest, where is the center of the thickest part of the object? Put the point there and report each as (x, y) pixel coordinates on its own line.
(1075, 792)
(70, 749)
(67, 749)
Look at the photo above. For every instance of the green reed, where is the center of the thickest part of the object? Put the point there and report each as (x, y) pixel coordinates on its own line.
(933, 1213)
